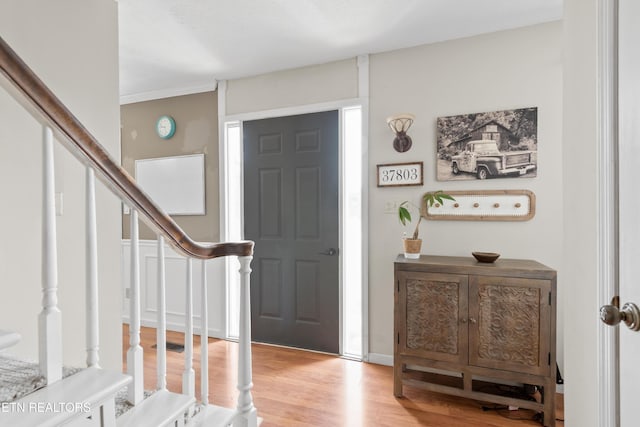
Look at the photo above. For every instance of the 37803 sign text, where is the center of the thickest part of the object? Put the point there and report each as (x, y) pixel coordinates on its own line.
(400, 174)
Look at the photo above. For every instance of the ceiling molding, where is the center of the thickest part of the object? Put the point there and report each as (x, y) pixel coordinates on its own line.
(167, 93)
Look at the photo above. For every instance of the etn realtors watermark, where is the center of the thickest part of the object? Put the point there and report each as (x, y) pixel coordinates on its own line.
(45, 407)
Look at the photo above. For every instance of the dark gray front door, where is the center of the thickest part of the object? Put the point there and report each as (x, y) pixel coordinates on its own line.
(291, 178)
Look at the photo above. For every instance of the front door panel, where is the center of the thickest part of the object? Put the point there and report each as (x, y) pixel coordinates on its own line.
(291, 178)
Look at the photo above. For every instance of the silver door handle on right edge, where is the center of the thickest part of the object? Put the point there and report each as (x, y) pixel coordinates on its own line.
(629, 314)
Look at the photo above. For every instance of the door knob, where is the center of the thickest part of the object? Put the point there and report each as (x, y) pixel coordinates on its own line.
(329, 252)
(629, 314)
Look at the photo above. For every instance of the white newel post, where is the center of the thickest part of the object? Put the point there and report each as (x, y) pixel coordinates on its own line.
(249, 417)
(135, 366)
(161, 337)
(49, 320)
(204, 339)
(189, 375)
(93, 343)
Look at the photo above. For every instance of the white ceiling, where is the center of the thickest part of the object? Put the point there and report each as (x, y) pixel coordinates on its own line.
(171, 47)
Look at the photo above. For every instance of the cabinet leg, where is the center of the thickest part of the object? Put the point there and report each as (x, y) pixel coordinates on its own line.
(397, 388)
(549, 399)
(549, 416)
(398, 368)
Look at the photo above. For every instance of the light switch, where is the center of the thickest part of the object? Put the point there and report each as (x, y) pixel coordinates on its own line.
(59, 204)
(390, 208)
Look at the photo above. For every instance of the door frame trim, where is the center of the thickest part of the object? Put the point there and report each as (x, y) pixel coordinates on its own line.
(339, 105)
(293, 111)
(607, 208)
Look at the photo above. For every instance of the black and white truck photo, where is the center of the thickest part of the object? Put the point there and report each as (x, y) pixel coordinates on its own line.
(500, 144)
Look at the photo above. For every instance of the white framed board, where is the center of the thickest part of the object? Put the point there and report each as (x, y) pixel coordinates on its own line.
(176, 184)
(484, 205)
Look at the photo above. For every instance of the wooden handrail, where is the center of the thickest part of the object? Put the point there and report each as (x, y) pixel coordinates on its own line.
(85, 146)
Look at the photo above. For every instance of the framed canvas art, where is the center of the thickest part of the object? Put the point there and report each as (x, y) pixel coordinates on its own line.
(498, 144)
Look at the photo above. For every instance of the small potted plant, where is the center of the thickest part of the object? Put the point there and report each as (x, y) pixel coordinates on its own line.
(413, 244)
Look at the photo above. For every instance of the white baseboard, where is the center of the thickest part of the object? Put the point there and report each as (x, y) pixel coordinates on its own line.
(175, 327)
(380, 359)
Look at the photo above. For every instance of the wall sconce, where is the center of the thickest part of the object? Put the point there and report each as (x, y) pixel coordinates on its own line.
(400, 124)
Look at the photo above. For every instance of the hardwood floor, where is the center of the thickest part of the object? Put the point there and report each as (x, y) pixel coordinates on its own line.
(301, 388)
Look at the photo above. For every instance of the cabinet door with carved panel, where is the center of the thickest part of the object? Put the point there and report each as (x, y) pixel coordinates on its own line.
(432, 315)
(509, 323)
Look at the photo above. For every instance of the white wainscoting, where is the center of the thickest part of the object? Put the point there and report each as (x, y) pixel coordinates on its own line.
(176, 273)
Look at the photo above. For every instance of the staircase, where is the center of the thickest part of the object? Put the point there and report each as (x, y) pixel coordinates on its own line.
(94, 389)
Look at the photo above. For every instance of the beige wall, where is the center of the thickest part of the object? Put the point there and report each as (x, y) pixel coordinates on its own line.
(504, 70)
(302, 86)
(510, 69)
(196, 119)
(76, 54)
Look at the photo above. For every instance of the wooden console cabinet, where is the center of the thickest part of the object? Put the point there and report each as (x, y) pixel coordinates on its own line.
(460, 325)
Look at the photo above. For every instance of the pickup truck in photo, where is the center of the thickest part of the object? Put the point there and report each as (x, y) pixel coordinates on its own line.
(483, 158)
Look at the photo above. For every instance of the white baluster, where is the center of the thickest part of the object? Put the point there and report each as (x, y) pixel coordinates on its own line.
(249, 417)
(161, 336)
(49, 320)
(135, 353)
(189, 375)
(204, 339)
(93, 358)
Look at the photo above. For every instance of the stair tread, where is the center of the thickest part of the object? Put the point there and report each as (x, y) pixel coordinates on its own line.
(8, 339)
(218, 416)
(158, 410)
(212, 415)
(52, 405)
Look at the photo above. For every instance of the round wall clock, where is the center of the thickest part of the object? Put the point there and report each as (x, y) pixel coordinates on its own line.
(166, 127)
